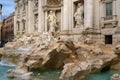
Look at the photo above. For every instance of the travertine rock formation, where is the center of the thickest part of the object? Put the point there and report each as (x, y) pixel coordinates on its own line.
(115, 77)
(49, 52)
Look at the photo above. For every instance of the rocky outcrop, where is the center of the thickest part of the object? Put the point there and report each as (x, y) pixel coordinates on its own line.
(116, 67)
(117, 50)
(48, 52)
(47, 58)
(94, 60)
(40, 52)
(23, 75)
(115, 77)
(116, 64)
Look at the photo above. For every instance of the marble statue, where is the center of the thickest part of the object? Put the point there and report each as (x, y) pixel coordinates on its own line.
(52, 20)
(36, 24)
(79, 15)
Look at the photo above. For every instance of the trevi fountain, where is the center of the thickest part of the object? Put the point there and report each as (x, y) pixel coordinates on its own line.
(52, 56)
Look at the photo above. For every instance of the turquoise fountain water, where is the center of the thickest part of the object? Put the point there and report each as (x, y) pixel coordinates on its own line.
(54, 74)
(47, 75)
(102, 75)
(3, 70)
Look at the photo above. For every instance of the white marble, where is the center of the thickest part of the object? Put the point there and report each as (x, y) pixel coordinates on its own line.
(30, 17)
(65, 15)
(88, 13)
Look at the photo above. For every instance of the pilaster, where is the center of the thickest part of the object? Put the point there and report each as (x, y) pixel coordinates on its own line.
(65, 18)
(40, 16)
(88, 13)
(30, 17)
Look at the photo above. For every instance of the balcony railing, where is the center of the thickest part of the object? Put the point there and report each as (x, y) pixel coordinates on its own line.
(109, 18)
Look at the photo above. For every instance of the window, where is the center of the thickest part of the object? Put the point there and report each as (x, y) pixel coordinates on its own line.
(23, 25)
(109, 8)
(108, 39)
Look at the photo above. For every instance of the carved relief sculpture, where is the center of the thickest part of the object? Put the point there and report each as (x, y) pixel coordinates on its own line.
(36, 3)
(78, 16)
(52, 20)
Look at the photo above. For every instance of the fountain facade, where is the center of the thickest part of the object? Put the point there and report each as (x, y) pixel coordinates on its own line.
(57, 34)
(70, 18)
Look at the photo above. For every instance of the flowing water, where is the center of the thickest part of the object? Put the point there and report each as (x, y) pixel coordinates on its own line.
(3, 70)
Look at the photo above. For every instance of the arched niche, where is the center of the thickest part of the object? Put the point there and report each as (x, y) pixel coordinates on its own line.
(23, 26)
(75, 7)
(52, 5)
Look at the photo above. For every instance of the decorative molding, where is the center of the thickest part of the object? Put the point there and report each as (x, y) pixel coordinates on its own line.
(51, 7)
(105, 1)
(109, 20)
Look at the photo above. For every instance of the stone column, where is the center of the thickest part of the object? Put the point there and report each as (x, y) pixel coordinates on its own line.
(118, 13)
(88, 13)
(65, 19)
(40, 16)
(70, 15)
(30, 17)
(15, 24)
(46, 26)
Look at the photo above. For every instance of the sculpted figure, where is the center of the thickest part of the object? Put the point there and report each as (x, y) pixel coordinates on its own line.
(36, 24)
(79, 15)
(36, 3)
(52, 19)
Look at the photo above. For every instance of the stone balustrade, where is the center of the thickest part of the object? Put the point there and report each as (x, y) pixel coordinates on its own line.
(111, 20)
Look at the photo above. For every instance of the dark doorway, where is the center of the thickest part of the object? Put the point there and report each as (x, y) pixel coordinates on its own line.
(108, 39)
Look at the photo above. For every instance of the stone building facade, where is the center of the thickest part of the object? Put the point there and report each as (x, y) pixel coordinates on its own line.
(1, 23)
(70, 17)
(7, 29)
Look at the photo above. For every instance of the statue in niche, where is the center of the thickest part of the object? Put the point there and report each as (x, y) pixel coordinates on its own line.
(52, 21)
(79, 15)
(36, 24)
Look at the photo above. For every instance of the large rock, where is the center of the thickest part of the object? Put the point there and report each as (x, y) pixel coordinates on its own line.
(117, 50)
(116, 63)
(21, 74)
(116, 67)
(93, 62)
(47, 58)
(115, 77)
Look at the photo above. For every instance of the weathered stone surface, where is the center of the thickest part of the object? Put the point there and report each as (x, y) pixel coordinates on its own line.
(117, 50)
(47, 58)
(115, 77)
(116, 64)
(21, 74)
(47, 52)
(94, 60)
(116, 67)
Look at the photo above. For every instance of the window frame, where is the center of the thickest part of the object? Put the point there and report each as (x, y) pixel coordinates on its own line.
(109, 8)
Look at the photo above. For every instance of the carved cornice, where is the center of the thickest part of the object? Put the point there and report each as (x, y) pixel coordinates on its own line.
(52, 7)
(105, 1)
